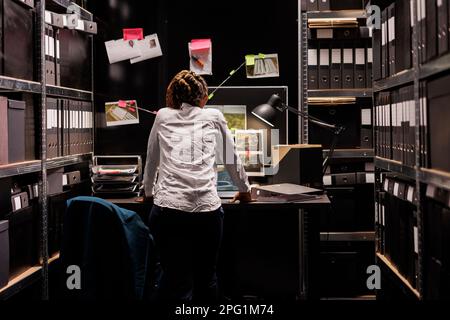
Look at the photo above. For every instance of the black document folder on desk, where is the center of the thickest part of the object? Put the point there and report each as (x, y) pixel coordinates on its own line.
(324, 67)
(284, 192)
(348, 69)
(313, 68)
(360, 68)
(336, 71)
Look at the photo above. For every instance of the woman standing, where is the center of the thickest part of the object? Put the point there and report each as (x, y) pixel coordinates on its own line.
(186, 219)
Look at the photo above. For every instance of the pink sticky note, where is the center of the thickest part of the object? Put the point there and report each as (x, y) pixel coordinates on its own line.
(122, 104)
(133, 34)
(200, 44)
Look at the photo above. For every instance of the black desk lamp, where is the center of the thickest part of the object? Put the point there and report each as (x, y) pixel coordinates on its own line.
(267, 113)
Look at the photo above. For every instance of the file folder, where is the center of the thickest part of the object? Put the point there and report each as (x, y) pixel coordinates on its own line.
(384, 45)
(377, 63)
(369, 71)
(324, 5)
(324, 68)
(57, 59)
(442, 22)
(312, 5)
(313, 69)
(66, 127)
(60, 123)
(52, 128)
(423, 29)
(16, 131)
(49, 55)
(366, 128)
(4, 158)
(360, 68)
(404, 23)
(336, 71)
(348, 69)
(18, 46)
(432, 27)
(391, 39)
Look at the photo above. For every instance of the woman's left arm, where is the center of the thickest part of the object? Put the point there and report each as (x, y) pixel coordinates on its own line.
(152, 162)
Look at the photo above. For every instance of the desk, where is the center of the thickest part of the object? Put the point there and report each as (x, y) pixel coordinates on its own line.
(269, 249)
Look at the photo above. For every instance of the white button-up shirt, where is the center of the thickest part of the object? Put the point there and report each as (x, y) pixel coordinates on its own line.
(183, 148)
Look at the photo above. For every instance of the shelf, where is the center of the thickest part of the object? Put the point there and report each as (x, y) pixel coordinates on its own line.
(400, 79)
(68, 160)
(435, 177)
(20, 282)
(339, 93)
(23, 280)
(395, 166)
(351, 153)
(21, 168)
(64, 92)
(397, 274)
(13, 84)
(64, 4)
(434, 67)
(348, 236)
(358, 14)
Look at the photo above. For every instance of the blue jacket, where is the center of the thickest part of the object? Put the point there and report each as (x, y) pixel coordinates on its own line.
(112, 247)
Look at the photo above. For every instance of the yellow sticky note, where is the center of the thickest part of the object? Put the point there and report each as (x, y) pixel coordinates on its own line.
(250, 60)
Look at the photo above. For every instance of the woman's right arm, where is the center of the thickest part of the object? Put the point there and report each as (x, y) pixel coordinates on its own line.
(152, 163)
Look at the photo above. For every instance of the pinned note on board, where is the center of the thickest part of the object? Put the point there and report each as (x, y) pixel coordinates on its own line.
(262, 65)
(200, 56)
(122, 112)
(134, 50)
(133, 34)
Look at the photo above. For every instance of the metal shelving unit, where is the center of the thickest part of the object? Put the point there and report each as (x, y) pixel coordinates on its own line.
(400, 79)
(41, 166)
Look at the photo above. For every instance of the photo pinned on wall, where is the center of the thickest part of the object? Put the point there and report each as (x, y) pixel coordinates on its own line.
(200, 56)
(134, 48)
(262, 66)
(250, 148)
(122, 112)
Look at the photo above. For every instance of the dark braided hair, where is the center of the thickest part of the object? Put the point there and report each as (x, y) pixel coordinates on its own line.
(186, 87)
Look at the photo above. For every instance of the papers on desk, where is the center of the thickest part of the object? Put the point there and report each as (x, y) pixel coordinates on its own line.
(284, 192)
(134, 50)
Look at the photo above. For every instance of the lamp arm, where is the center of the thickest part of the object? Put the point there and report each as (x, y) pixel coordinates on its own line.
(332, 127)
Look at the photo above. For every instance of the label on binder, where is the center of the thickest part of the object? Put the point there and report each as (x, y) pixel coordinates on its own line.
(416, 240)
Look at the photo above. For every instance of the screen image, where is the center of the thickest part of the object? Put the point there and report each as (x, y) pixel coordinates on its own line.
(236, 115)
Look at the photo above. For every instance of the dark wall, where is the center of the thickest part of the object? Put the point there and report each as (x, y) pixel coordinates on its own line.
(236, 28)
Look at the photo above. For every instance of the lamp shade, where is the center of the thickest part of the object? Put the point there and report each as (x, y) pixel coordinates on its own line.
(267, 112)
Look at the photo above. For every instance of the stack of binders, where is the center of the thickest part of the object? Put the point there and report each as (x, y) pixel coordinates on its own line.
(396, 224)
(332, 66)
(395, 125)
(69, 127)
